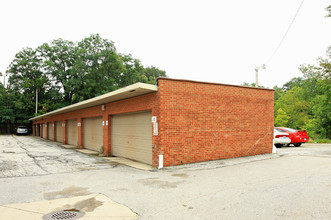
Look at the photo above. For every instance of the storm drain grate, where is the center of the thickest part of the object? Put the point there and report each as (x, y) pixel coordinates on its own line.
(64, 215)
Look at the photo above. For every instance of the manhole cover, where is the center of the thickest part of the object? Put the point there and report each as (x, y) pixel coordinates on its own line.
(64, 215)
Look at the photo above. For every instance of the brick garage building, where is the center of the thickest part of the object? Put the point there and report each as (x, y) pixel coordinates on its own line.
(185, 121)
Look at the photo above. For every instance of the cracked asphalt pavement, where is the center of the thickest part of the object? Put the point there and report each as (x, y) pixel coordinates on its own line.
(28, 156)
(294, 183)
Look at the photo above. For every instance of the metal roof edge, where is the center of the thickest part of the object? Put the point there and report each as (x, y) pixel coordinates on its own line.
(139, 85)
(211, 83)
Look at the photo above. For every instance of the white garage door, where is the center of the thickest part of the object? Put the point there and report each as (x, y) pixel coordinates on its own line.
(59, 131)
(93, 135)
(50, 130)
(72, 132)
(131, 136)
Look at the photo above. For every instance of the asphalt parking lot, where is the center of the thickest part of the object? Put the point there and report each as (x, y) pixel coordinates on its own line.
(294, 183)
(28, 156)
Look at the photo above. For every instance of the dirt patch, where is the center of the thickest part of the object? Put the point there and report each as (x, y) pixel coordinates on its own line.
(183, 175)
(67, 192)
(154, 182)
(6, 166)
(87, 205)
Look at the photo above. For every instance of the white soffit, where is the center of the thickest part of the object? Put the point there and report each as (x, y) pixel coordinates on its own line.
(133, 90)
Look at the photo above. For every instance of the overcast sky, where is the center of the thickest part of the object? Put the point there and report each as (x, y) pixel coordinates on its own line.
(216, 41)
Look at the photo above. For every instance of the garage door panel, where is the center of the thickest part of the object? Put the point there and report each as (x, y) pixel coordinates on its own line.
(138, 156)
(132, 136)
(50, 131)
(132, 148)
(134, 153)
(132, 142)
(93, 133)
(72, 132)
(137, 134)
(44, 130)
(59, 131)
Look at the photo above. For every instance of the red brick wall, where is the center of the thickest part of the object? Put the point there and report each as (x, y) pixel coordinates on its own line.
(197, 121)
(204, 121)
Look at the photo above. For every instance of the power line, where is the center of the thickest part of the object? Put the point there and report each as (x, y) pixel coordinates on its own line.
(288, 29)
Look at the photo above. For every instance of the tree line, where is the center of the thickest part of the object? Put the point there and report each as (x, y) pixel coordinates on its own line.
(63, 72)
(305, 102)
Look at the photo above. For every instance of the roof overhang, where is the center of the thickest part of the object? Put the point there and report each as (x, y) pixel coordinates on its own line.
(133, 90)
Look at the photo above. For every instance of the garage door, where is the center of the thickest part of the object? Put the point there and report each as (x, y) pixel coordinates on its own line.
(44, 130)
(93, 138)
(59, 131)
(131, 136)
(38, 129)
(72, 132)
(50, 130)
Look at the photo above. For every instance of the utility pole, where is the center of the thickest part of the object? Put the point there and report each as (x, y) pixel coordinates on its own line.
(4, 78)
(36, 100)
(256, 77)
(257, 74)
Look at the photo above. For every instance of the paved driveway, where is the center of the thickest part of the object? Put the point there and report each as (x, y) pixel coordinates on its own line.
(29, 156)
(295, 183)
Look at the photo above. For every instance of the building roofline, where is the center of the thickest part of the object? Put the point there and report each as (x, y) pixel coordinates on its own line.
(130, 91)
(211, 83)
(124, 93)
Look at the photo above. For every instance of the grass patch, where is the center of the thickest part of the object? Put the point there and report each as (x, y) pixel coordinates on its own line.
(320, 141)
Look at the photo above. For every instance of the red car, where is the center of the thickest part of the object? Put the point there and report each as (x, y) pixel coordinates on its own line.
(297, 137)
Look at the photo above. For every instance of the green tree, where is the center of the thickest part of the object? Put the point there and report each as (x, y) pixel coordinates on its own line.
(279, 92)
(59, 58)
(82, 70)
(64, 72)
(295, 82)
(328, 9)
(306, 100)
(132, 71)
(317, 87)
(150, 74)
(6, 106)
(25, 80)
(98, 66)
(295, 107)
(282, 119)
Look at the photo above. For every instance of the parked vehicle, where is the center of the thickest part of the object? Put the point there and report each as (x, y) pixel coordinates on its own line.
(21, 130)
(281, 138)
(297, 137)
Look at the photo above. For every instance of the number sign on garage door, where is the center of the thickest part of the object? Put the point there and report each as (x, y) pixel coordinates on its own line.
(72, 132)
(93, 134)
(131, 136)
(59, 131)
